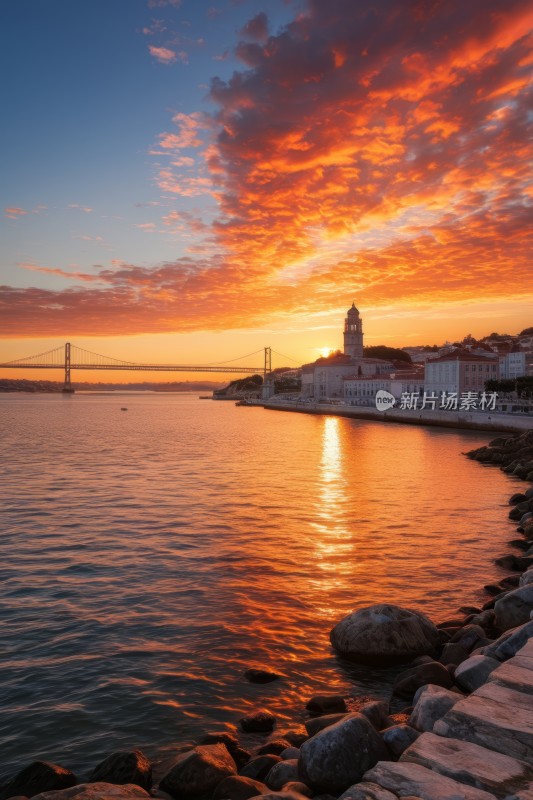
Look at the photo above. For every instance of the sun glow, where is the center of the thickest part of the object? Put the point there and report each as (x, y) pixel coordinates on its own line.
(324, 352)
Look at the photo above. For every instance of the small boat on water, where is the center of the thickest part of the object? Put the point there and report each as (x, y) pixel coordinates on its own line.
(123, 409)
(243, 402)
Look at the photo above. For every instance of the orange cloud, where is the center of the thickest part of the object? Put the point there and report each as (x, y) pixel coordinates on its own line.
(376, 149)
(13, 212)
(163, 54)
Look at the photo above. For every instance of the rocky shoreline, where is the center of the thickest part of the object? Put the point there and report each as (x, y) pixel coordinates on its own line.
(460, 677)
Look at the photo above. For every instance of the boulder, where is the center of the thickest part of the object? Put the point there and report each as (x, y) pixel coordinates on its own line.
(469, 764)
(96, 791)
(514, 609)
(40, 776)
(431, 703)
(198, 772)
(510, 642)
(338, 756)
(258, 768)
(376, 712)
(526, 578)
(260, 721)
(238, 754)
(408, 682)
(367, 791)
(384, 634)
(317, 724)
(474, 672)
(327, 704)
(236, 787)
(398, 738)
(469, 636)
(260, 675)
(282, 773)
(124, 767)
(453, 653)
(405, 779)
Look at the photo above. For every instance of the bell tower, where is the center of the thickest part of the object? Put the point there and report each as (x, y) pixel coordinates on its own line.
(353, 334)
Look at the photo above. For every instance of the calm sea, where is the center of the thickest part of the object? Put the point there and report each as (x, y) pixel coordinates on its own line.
(149, 556)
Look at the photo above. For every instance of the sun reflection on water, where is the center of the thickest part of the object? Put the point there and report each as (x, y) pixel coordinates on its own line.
(333, 540)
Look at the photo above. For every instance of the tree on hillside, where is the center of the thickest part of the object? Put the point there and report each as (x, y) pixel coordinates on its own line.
(386, 353)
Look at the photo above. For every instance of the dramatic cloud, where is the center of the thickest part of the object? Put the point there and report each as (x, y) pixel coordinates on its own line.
(377, 149)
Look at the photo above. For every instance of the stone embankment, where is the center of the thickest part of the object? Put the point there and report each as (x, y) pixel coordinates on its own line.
(466, 420)
(465, 732)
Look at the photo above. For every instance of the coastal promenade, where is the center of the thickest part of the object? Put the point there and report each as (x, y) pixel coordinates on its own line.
(470, 420)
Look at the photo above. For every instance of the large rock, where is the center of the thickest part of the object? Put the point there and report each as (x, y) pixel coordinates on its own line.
(327, 704)
(96, 791)
(526, 578)
(514, 609)
(510, 642)
(384, 634)
(377, 712)
(198, 772)
(469, 763)
(495, 717)
(406, 779)
(517, 673)
(338, 756)
(431, 703)
(260, 721)
(124, 767)
(398, 738)
(238, 754)
(408, 682)
(40, 776)
(236, 787)
(282, 773)
(474, 672)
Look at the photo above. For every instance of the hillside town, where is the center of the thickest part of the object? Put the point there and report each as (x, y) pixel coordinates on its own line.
(493, 373)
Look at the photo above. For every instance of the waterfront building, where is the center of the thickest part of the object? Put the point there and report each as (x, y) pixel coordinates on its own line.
(360, 390)
(459, 371)
(513, 365)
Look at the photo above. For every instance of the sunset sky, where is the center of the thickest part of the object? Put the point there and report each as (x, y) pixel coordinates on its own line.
(185, 181)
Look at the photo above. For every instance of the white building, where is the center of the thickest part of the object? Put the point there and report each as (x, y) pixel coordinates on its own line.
(513, 365)
(459, 371)
(361, 390)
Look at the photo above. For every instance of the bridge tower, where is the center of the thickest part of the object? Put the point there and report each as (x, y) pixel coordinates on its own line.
(67, 387)
(267, 387)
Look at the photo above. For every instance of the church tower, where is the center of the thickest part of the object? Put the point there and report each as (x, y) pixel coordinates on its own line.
(353, 334)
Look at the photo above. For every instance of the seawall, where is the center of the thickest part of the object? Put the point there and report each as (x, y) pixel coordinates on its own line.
(470, 420)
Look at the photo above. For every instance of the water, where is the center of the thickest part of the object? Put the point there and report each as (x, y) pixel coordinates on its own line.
(148, 557)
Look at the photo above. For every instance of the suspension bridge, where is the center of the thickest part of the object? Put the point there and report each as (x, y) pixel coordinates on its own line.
(69, 357)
